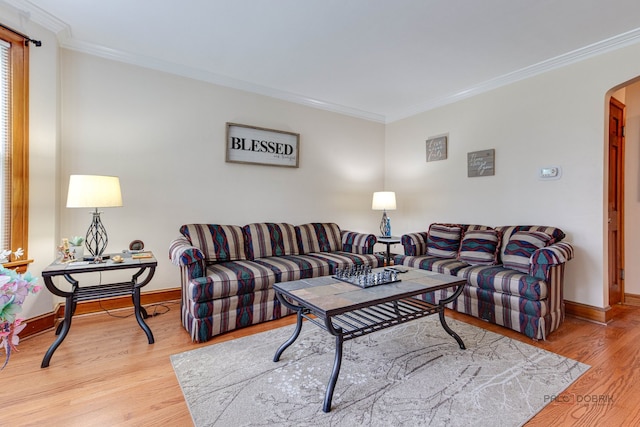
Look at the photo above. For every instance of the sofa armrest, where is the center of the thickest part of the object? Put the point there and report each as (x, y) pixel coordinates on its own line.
(415, 243)
(544, 259)
(358, 243)
(186, 256)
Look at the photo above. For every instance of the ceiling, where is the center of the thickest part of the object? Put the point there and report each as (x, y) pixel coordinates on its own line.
(381, 60)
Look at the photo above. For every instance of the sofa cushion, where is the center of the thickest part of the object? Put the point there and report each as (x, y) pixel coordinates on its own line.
(343, 259)
(505, 281)
(218, 243)
(267, 239)
(508, 230)
(443, 240)
(295, 267)
(230, 278)
(521, 245)
(480, 247)
(318, 237)
(432, 263)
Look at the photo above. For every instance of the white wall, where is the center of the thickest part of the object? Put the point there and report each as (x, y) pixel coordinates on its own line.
(43, 148)
(164, 136)
(632, 189)
(554, 119)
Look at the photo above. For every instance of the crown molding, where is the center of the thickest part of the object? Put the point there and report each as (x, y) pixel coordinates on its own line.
(66, 40)
(209, 77)
(30, 12)
(595, 49)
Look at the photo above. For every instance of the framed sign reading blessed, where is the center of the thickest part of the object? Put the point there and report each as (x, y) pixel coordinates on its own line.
(251, 144)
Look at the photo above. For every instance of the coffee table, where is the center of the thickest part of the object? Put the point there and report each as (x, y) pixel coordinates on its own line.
(348, 311)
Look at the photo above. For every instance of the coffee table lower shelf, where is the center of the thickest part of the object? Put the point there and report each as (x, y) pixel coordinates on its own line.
(362, 321)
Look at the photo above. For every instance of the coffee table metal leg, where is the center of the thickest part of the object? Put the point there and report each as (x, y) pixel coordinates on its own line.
(291, 339)
(296, 332)
(337, 362)
(450, 331)
(443, 322)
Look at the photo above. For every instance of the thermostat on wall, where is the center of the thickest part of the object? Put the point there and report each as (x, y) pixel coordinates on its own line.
(550, 172)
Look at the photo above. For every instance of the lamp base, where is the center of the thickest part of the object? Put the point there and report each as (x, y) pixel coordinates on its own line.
(96, 240)
(385, 225)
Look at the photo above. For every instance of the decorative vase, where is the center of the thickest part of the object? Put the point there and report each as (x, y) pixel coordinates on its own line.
(77, 252)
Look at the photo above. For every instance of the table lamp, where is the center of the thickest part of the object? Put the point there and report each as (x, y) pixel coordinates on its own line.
(383, 201)
(94, 191)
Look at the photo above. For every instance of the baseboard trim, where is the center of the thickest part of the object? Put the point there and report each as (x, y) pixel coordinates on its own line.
(632, 299)
(589, 312)
(47, 321)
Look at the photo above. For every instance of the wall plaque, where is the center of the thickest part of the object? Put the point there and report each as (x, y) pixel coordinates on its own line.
(481, 163)
(262, 146)
(437, 148)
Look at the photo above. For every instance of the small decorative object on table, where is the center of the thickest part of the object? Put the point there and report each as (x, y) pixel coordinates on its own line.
(75, 247)
(14, 289)
(365, 277)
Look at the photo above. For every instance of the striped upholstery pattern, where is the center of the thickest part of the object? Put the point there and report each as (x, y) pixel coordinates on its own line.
(358, 243)
(505, 281)
(543, 260)
(555, 233)
(217, 242)
(480, 247)
(294, 267)
(414, 243)
(530, 301)
(319, 237)
(228, 279)
(231, 313)
(270, 239)
(219, 295)
(190, 259)
(521, 246)
(444, 240)
(427, 262)
(343, 259)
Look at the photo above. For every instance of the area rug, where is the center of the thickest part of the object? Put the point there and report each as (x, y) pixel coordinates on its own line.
(409, 375)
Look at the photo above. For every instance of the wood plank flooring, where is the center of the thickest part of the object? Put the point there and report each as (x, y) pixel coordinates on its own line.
(106, 374)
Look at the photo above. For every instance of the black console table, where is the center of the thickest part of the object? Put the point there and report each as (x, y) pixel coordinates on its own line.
(97, 291)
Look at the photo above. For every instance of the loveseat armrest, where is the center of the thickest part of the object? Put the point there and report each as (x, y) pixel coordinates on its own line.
(186, 256)
(415, 243)
(544, 259)
(358, 243)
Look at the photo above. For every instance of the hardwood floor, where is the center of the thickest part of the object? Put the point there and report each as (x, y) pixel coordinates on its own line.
(105, 373)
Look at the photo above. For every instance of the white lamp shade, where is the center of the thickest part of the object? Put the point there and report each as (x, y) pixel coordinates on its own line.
(384, 200)
(94, 191)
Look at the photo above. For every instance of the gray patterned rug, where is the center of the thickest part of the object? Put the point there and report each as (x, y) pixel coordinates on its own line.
(410, 375)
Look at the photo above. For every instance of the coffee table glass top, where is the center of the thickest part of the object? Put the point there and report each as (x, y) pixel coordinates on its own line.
(329, 296)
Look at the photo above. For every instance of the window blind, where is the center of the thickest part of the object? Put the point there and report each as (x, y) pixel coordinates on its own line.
(5, 146)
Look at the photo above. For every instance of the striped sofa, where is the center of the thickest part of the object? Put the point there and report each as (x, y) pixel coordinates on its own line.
(227, 272)
(514, 273)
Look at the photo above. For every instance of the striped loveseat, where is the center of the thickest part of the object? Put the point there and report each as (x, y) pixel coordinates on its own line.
(227, 272)
(514, 273)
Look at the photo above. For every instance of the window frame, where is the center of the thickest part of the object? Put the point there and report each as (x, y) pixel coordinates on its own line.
(19, 131)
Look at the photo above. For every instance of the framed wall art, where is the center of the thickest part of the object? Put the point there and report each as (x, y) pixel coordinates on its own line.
(481, 163)
(261, 146)
(437, 148)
